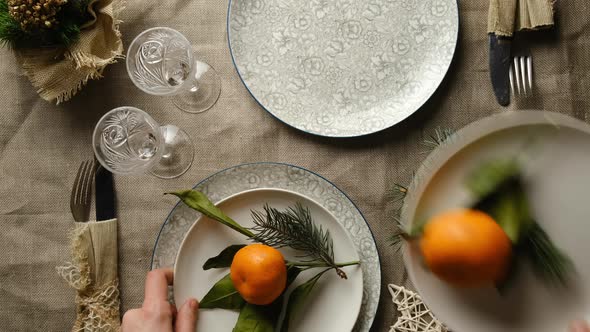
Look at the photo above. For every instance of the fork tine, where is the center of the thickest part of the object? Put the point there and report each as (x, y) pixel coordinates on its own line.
(530, 72)
(87, 194)
(517, 74)
(80, 185)
(523, 74)
(511, 76)
(73, 195)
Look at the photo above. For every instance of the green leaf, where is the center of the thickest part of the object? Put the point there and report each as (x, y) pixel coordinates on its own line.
(297, 299)
(292, 273)
(511, 212)
(256, 318)
(224, 259)
(223, 295)
(501, 195)
(264, 318)
(200, 202)
(490, 176)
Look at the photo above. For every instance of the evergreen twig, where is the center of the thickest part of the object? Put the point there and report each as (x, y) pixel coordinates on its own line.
(437, 139)
(295, 228)
(546, 259)
(397, 193)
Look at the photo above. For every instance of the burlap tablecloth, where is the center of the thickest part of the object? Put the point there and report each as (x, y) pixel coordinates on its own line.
(41, 146)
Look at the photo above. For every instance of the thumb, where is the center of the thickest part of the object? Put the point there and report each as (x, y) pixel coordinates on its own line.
(579, 326)
(186, 319)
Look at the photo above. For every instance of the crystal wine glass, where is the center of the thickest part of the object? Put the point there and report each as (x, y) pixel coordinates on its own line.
(161, 61)
(127, 140)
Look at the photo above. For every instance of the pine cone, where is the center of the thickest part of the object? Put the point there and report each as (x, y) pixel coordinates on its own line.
(34, 15)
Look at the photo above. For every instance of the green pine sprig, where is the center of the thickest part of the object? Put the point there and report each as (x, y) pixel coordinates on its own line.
(547, 260)
(294, 228)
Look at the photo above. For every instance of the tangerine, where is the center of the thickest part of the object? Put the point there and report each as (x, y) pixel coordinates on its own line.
(259, 273)
(466, 248)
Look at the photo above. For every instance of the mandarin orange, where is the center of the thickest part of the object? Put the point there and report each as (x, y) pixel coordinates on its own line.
(259, 273)
(466, 248)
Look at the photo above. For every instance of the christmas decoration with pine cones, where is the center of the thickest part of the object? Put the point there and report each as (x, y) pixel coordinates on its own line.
(41, 23)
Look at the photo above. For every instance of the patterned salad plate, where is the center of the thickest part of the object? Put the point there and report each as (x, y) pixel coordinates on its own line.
(250, 183)
(342, 68)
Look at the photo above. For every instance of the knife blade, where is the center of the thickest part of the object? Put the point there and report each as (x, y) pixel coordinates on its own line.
(500, 50)
(105, 195)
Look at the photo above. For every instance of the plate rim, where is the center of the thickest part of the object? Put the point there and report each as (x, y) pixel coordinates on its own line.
(468, 135)
(263, 189)
(418, 108)
(207, 178)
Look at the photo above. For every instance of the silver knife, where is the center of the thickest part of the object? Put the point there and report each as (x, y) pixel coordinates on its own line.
(500, 50)
(105, 195)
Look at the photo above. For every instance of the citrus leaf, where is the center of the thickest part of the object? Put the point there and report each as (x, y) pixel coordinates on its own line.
(511, 212)
(224, 258)
(297, 299)
(264, 318)
(292, 273)
(223, 295)
(490, 176)
(200, 202)
(509, 207)
(257, 318)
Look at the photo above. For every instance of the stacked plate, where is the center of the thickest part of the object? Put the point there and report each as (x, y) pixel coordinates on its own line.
(189, 240)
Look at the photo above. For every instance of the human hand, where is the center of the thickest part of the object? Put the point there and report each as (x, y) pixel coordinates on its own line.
(579, 326)
(157, 314)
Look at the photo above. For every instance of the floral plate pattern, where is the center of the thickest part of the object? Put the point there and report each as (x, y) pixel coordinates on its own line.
(342, 68)
(282, 176)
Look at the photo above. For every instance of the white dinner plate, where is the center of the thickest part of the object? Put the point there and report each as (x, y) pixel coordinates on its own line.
(342, 68)
(554, 150)
(297, 181)
(333, 305)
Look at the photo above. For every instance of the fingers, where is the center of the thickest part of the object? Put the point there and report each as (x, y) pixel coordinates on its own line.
(186, 320)
(156, 285)
(174, 311)
(130, 319)
(579, 326)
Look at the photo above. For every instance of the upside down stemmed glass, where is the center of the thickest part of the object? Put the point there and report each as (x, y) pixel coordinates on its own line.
(127, 140)
(161, 61)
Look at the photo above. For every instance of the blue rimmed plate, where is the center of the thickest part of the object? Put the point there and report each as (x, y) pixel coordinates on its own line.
(299, 181)
(342, 68)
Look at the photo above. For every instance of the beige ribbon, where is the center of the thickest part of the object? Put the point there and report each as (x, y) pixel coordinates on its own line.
(507, 16)
(58, 73)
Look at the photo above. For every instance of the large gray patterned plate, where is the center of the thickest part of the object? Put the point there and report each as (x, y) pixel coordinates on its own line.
(342, 68)
(299, 180)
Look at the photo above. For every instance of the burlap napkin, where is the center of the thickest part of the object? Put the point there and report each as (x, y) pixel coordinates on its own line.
(58, 74)
(93, 273)
(507, 16)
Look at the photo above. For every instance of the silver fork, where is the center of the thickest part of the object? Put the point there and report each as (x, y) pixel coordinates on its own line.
(81, 196)
(521, 76)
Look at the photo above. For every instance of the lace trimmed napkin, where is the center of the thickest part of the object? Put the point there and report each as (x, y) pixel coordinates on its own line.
(507, 16)
(93, 274)
(58, 74)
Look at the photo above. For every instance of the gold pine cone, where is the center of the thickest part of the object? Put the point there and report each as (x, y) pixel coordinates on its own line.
(35, 14)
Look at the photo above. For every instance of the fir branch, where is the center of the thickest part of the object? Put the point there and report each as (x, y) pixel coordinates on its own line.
(397, 193)
(437, 139)
(546, 259)
(295, 228)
